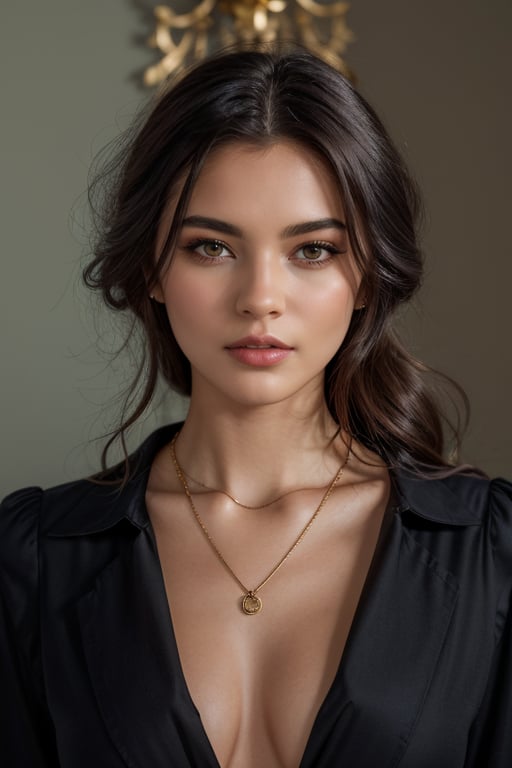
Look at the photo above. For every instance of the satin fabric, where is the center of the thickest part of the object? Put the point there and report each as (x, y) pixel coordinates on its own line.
(91, 676)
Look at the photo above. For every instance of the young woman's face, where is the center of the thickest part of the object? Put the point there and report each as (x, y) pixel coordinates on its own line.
(263, 282)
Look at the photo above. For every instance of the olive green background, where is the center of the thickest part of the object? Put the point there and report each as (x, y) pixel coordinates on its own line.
(439, 73)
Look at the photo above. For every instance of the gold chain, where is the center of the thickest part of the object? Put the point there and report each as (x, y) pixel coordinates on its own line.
(240, 503)
(251, 603)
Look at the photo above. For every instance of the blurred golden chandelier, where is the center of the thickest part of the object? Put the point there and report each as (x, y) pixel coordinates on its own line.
(186, 38)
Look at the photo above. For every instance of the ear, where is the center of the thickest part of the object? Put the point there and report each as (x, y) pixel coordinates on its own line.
(360, 302)
(157, 294)
(153, 287)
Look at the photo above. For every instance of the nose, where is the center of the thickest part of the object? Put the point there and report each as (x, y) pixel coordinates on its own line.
(261, 287)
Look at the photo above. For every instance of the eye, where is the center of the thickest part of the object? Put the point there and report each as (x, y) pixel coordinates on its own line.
(316, 253)
(211, 250)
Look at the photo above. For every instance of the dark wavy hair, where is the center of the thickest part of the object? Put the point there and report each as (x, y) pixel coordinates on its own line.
(374, 389)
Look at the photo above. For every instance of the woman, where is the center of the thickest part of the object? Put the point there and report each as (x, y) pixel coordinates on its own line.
(296, 575)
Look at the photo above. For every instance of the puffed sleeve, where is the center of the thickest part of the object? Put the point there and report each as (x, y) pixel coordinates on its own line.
(491, 736)
(27, 737)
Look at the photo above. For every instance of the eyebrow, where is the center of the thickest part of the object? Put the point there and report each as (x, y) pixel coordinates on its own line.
(313, 226)
(291, 231)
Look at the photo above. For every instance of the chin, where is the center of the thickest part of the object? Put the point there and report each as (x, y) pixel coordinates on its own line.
(260, 391)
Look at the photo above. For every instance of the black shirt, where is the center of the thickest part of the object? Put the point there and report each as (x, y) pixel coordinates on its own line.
(90, 673)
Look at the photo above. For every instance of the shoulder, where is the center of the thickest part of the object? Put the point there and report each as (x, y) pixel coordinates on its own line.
(19, 564)
(31, 515)
(22, 509)
(23, 515)
(19, 524)
(460, 499)
(79, 507)
(471, 502)
(51, 531)
(500, 520)
(470, 510)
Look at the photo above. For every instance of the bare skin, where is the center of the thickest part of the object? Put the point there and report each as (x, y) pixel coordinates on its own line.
(258, 681)
(263, 254)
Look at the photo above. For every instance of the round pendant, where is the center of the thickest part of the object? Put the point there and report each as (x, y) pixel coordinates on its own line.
(251, 604)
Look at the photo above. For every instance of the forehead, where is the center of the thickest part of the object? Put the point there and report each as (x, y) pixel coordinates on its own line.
(251, 178)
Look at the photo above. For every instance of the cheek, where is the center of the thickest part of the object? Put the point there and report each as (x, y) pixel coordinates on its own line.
(334, 312)
(190, 304)
(332, 307)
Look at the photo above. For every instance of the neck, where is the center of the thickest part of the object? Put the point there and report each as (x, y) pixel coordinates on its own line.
(257, 453)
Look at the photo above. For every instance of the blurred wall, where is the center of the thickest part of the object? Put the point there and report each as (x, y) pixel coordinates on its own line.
(438, 73)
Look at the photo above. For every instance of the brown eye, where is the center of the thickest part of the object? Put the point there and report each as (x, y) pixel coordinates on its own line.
(212, 249)
(312, 252)
(316, 253)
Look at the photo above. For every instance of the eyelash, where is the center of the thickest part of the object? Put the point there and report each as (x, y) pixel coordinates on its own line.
(202, 258)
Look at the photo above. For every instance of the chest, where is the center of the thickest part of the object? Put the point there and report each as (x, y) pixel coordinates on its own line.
(258, 681)
(407, 693)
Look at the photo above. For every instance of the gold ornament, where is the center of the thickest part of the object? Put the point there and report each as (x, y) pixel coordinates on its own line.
(186, 38)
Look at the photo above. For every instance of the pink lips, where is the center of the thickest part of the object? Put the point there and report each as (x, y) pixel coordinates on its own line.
(260, 351)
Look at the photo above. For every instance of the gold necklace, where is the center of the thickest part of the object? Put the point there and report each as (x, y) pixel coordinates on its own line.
(240, 503)
(250, 602)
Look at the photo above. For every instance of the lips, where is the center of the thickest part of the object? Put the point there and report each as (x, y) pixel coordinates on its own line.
(259, 351)
(259, 342)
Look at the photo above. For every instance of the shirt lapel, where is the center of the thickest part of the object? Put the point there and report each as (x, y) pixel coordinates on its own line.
(134, 667)
(395, 641)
